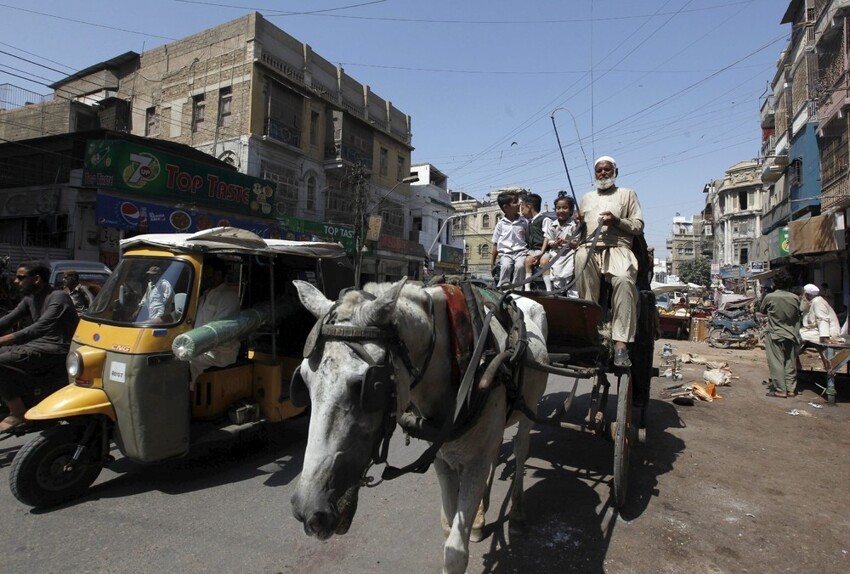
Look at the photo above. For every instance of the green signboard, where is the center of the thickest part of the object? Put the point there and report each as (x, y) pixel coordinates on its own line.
(142, 171)
(147, 173)
(784, 246)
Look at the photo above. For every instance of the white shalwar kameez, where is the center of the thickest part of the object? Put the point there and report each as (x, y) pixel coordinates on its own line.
(612, 256)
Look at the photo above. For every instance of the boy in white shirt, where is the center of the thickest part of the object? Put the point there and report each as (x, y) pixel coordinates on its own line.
(557, 234)
(509, 241)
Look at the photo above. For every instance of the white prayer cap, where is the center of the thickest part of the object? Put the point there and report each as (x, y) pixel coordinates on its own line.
(811, 289)
(607, 158)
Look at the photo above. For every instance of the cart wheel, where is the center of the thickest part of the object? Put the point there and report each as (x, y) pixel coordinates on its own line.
(622, 440)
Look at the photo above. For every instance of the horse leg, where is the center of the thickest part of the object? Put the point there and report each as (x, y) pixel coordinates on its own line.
(477, 534)
(473, 479)
(516, 516)
(448, 493)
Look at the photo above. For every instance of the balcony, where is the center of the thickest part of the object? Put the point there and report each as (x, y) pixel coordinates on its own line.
(768, 112)
(773, 168)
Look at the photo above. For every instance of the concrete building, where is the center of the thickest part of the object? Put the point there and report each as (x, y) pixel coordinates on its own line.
(736, 203)
(827, 22)
(789, 120)
(431, 213)
(254, 97)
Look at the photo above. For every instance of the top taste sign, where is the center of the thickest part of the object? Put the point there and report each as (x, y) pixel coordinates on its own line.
(132, 168)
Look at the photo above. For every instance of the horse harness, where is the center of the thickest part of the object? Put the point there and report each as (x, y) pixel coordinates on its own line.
(378, 388)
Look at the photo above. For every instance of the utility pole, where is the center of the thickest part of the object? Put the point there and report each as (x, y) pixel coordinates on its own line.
(360, 201)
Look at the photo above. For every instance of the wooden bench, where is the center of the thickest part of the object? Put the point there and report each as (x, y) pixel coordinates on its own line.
(834, 357)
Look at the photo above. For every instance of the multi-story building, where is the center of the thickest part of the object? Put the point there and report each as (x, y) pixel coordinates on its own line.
(736, 203)
(682, 244)
(254, 97)
(431, 213)
(828, 22)
(789, 120)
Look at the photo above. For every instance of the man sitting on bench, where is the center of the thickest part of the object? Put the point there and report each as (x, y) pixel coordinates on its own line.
(820, 324)
(617, 210)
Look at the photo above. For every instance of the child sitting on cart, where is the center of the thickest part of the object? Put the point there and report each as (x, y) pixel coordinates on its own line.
(556, 235)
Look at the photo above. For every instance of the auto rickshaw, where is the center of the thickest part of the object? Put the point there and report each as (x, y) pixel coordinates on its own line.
(127, 382)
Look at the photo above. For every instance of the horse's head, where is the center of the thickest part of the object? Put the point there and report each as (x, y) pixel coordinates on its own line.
(347, 375)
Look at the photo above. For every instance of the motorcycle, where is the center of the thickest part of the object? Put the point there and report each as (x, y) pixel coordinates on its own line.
(733, 327)
(127, 379)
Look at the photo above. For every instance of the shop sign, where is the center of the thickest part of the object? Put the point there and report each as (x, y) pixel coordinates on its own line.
(450, 257)
(147, 217)
(142, 171)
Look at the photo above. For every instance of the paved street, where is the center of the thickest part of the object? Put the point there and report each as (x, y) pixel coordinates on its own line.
(735, 485)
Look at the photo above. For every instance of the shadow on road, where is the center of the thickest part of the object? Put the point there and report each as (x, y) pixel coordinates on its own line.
(278, 454)
(568, 505)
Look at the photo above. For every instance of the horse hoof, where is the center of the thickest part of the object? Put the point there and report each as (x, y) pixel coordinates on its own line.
(477, 535)
(516, 527)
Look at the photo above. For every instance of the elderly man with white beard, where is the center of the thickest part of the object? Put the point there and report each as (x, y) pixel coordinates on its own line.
(617, 211)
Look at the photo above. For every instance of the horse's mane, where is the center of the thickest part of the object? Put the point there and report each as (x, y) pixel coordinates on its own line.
(351, 306)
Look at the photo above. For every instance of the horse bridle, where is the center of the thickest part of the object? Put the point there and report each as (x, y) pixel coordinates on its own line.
(378, 387)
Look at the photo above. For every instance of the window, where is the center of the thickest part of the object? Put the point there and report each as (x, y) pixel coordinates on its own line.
(150, 121)
(286, 192)
(742, 200)
(795, 173)
(485, 250)
(284, 114)
(416, 224)
(198, 107)
(311, 194)
(399, 168)
(383, 168)
(744, 256)
(225, 97)
(485, 221)
(314, 128)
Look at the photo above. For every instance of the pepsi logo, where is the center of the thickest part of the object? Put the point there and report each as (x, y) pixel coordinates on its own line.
(130, 213)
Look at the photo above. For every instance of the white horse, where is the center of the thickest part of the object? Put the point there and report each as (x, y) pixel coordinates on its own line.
(376, 327)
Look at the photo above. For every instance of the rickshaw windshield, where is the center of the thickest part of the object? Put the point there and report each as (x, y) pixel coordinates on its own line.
(144, 291)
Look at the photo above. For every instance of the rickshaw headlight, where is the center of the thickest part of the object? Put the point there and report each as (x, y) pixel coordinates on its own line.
(74, 364)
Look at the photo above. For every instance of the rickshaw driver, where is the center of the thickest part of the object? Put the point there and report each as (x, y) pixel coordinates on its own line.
(158, 298)
(217, 302)
(619, 213)
(38, 348)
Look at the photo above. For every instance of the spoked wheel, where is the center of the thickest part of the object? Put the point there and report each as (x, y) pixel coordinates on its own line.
(715, 338)
(622, 440)
(42, 473)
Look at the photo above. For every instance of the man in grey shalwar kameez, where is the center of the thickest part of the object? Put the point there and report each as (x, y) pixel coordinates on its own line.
(782, 335)
(617, 210)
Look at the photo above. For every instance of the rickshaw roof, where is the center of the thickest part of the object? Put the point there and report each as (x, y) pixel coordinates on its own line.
(233, 240)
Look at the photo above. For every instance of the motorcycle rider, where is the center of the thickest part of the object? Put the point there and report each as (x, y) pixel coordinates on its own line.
(37, 348)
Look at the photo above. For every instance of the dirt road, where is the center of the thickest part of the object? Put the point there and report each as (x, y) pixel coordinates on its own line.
(735, 485)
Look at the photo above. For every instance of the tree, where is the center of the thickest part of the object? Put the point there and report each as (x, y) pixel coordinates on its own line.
(697, 271)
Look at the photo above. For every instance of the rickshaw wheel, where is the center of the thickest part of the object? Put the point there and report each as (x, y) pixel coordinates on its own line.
(40, 475)
(622, 440)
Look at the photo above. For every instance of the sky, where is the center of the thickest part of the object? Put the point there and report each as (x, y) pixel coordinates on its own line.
(670, 88)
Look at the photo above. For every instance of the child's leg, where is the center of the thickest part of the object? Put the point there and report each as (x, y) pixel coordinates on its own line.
(547, 275)
(519, 267)
(529, 269)
(506, 272)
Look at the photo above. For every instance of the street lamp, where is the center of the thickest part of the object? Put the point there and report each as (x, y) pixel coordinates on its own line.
(360, 237)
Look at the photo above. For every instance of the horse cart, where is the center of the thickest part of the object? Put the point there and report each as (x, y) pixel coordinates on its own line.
(578, 350)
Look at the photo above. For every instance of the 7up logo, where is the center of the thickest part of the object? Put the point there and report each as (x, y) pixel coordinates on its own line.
(143, 168)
